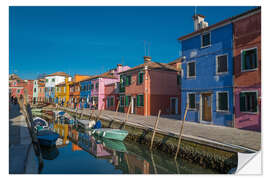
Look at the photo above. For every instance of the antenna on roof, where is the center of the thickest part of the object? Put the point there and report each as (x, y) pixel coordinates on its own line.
(195, 10)
(149, 49)
(144, 48)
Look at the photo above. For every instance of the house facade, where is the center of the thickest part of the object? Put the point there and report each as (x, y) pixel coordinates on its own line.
(41, 91)
(50, 82)
(16, 86)
(207, 73)
(111, 96)
(35, 92)
(247, 70)
(94, 87)
(149, 87)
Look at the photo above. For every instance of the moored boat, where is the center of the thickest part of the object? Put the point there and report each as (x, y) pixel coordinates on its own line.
(115, 134)
(40, 123)
(47, 137)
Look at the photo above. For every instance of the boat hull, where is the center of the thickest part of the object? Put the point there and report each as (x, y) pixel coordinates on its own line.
(115, 134)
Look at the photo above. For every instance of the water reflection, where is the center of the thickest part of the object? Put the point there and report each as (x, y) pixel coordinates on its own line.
(82, 153)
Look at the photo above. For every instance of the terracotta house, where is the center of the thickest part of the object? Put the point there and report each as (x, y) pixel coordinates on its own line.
(41, 91)
(111, 96)
(16, 86)
(247, 70)
(149, 87)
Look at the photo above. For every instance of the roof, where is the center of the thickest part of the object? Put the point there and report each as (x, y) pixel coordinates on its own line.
(151, 65)
(104, 75)
(180, 59)
(14, 77)
(218, 24)
(61, 84)
(58, 74)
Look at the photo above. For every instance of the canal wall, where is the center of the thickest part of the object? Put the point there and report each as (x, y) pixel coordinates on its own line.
(218, 158)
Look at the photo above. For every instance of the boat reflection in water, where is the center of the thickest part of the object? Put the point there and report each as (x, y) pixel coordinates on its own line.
(82, 153)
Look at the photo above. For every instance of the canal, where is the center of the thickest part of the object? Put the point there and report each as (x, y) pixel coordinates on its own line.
(77, 152)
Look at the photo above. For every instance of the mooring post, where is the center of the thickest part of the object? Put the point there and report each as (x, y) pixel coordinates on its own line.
(181, 130)
(117, 107)
(100, 111)
(154, 133)
(126, 116)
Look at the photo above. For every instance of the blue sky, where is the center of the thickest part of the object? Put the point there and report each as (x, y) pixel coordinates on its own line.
(91, 40)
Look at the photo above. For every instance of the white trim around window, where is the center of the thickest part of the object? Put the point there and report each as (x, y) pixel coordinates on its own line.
(217, 109)
(247, 70)
(202, 39)
(220, 73)
(191, 77)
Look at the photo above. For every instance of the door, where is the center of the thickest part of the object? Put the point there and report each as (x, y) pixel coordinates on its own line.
(206, 107)
(133, 105)
(174, 106)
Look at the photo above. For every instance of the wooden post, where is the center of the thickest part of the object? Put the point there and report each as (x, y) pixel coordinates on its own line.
(153, 162)
(100, 111)
(116, 111)
(126, 116)
(91, 113)
(181, 130)
(154, 133)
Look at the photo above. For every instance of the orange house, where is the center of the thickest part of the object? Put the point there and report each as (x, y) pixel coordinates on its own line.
(149, 87)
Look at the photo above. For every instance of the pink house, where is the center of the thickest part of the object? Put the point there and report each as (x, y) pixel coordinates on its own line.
(98, 83)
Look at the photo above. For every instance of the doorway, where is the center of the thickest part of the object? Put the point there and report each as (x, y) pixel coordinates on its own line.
(133, 105)
(173, 105)
(206, 104)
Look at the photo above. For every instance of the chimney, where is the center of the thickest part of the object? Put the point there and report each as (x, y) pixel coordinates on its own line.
(199, 22)
(147, 59)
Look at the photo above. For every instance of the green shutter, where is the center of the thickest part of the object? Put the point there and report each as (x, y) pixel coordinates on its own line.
(243, 60)
(142, 103)
(138, 100)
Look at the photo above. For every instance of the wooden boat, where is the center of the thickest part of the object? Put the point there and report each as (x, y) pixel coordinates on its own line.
(115, 134)
(40, 123)
(47, 137)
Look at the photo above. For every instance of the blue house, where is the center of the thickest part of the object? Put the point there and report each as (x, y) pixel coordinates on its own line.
(207, 73)
(85, 92)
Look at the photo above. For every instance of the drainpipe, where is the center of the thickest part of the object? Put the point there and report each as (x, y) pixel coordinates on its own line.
(146, 90)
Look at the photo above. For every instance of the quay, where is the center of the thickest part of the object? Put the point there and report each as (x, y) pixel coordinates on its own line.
(22, 157)
(227, 138)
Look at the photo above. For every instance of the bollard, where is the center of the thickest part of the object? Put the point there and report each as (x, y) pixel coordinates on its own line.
(154, 133)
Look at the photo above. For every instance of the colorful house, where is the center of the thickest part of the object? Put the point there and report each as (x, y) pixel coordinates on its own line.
(74, 90)
(51, 81)
(149, 87)
(96, 86)
(247, 70)
(41, 91)
(207, 76)
(35, 91)
(16, 86)
(111, 96)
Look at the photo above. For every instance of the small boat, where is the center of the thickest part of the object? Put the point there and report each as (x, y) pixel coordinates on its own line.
(114, 145)
(47, 137)
(115, 134)
(40, 123)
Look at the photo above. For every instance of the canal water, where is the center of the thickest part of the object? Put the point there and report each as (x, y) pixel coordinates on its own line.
(77, 152)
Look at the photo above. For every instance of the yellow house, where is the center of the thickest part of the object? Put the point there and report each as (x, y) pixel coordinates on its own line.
(62, 92)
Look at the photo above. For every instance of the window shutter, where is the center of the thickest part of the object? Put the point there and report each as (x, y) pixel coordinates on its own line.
(243, 61)
(138, 100)
(242, 102)
(142, 100)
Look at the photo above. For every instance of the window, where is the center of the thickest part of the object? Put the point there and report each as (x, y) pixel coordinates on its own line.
(88, 87)
(108, 102)
(128, 99)
(206, 40)
(178, 79)
(18, 91)
(249, 59)
(46, 80)
(96, 85)
(191, 101)
(140, 100)
(35, 90)
(191, 70)
(64, 89)
(248, 102)
(92, 86)
(53, 80)
(222, 64)
(128, 80)
(222, 101)
(140, 77)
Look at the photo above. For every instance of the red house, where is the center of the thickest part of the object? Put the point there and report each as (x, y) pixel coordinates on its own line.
(247, 70)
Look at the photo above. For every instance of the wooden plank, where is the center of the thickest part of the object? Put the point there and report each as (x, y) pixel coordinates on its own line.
(116, 111)
(181, 130)
(154, 133)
